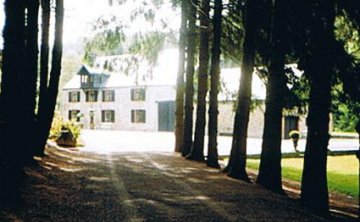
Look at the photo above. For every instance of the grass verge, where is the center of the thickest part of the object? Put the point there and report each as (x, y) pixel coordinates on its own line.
(343, 173)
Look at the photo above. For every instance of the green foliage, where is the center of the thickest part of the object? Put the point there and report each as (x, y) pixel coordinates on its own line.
(107, 42)
(347, 92)
(59, 124)
(149, 45)
(345, 111)
(349, 35)
(233, 32)
(344, 119)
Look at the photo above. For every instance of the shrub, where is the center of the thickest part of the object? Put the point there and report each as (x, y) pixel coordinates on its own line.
(59, 125)
(294, 134)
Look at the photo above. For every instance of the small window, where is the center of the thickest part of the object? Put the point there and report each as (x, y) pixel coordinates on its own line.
(108, 116)
(91, 96)
(84, 79)
(74, 96)
(108, 96)
(74, 115)
(138, 95)
(138, 116)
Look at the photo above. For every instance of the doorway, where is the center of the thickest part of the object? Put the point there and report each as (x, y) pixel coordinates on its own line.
(291, 123)
(92, 119)
(166, 116)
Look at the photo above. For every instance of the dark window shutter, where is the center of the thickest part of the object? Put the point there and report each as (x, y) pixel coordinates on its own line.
(78, 96)
(143, 95)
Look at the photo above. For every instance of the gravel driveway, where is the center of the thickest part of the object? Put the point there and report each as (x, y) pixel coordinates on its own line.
(139, 186)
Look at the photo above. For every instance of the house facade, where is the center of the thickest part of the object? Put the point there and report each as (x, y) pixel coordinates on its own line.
(102, 101)
(131, 100)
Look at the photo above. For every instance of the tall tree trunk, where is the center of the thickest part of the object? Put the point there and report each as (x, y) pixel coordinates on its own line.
(314, 191)
(270, 164)
(44, 76)
(179, 113)
(45, 118)
(11, 147)
(197, 151)
(212, 158)
(31, 75)
(237, 164)
(12, 76)
(189, 89)
(319, 69)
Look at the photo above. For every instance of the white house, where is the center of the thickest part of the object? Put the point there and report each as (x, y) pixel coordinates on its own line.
(131, 98)
(115, 101)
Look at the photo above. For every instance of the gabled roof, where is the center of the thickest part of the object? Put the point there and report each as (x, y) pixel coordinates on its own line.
(83, 71)
(164, 74)
(86, 70)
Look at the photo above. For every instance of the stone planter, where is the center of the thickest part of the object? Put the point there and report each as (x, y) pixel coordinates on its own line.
(66, 139)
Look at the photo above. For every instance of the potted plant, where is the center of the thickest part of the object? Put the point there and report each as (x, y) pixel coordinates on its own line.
(295, 136)
(65, 133)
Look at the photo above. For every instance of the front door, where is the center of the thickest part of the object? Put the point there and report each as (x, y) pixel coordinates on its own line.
(92, 119)
(166, 116)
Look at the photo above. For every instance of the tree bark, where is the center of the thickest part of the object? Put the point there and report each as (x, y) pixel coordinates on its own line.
(237, 164)
(197, 151)
(179, 112)
(31, 75)
(212, 158)
(319, 69)
(13, 65)
(11, 84)
(44, 78)
(189, 90)
(46, 116)
(270, 164)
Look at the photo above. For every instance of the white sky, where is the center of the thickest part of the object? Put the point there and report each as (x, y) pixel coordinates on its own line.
(80, 13)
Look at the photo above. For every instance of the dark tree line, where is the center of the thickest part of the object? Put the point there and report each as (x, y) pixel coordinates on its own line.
(25, 117)
(270, 34)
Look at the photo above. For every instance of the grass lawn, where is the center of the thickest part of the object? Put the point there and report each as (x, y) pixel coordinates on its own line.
(343, 172)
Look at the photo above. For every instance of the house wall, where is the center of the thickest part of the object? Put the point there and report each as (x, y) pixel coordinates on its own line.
(256, 120)
(122, 107)
(226, 120)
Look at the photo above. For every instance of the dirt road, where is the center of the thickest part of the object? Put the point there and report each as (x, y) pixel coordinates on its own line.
(134, 186)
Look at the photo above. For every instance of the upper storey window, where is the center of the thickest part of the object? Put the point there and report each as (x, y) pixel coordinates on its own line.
(138, 94)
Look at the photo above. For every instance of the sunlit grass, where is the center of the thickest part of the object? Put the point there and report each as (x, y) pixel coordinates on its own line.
(343, 172)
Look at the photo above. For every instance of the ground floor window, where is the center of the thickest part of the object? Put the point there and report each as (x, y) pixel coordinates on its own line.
(138, 116)
(107, 116)
(74, 115)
